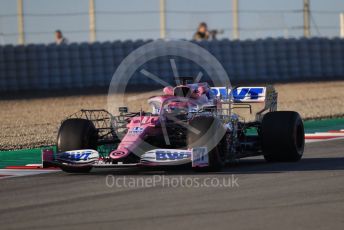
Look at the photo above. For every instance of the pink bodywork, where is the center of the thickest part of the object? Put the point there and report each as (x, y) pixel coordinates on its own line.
(138, 128)
(141, 126)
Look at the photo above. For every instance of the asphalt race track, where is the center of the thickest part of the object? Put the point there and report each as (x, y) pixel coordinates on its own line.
(304, 195)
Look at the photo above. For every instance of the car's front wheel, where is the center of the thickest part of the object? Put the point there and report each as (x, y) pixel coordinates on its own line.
(76, 134)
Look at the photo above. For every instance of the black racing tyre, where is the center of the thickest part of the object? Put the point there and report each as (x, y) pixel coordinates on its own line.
(75, 134)
(211, 132)
(283, 136)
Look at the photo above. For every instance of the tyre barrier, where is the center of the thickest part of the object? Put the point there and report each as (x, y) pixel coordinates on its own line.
(84, 65)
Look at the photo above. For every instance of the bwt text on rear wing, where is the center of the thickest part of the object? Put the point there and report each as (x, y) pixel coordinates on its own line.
(248, 94)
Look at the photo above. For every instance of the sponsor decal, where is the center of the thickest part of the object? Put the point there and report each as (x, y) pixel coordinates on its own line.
(135, 130)
(171, 155)
(200, 157)
(156, 110)
(82, 156)
(241, 93)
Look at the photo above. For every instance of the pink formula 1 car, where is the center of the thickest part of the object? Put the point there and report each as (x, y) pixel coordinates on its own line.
(190, 124)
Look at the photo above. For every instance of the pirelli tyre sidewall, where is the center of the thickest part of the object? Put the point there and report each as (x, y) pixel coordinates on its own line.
(282, 136)
(211, 132)
(76, 134)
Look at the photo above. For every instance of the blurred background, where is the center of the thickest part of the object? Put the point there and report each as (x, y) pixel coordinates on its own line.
(35, 21)
(57, 57)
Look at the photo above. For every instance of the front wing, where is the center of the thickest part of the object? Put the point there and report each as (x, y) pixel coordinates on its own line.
(198, 157)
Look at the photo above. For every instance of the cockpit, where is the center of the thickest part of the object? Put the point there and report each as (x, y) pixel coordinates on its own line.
(181, 99)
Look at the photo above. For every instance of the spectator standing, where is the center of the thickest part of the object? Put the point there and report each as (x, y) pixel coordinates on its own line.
(202, 32)
(59, 39)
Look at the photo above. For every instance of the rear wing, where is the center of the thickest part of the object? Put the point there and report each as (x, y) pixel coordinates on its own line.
(247, 95)
(240, 94)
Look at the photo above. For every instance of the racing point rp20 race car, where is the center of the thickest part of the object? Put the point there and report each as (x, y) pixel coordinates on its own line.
(191, 123)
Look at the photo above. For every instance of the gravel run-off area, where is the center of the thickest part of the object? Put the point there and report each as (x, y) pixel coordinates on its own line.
(27, 123)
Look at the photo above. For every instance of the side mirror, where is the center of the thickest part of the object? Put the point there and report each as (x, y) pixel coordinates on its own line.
(123, 109)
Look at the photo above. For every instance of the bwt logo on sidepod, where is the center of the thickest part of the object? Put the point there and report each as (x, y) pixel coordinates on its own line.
(136, 130)
(167, 155)
(241, 93)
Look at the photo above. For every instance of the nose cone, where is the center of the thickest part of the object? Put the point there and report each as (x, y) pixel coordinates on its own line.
(118, 154)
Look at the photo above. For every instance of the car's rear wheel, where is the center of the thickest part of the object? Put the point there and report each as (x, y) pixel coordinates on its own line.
(283, 137)
(76, 134)
(207, 132)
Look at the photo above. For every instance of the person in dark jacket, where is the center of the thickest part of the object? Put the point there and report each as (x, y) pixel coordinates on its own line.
(59, 39)
(202, 32)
